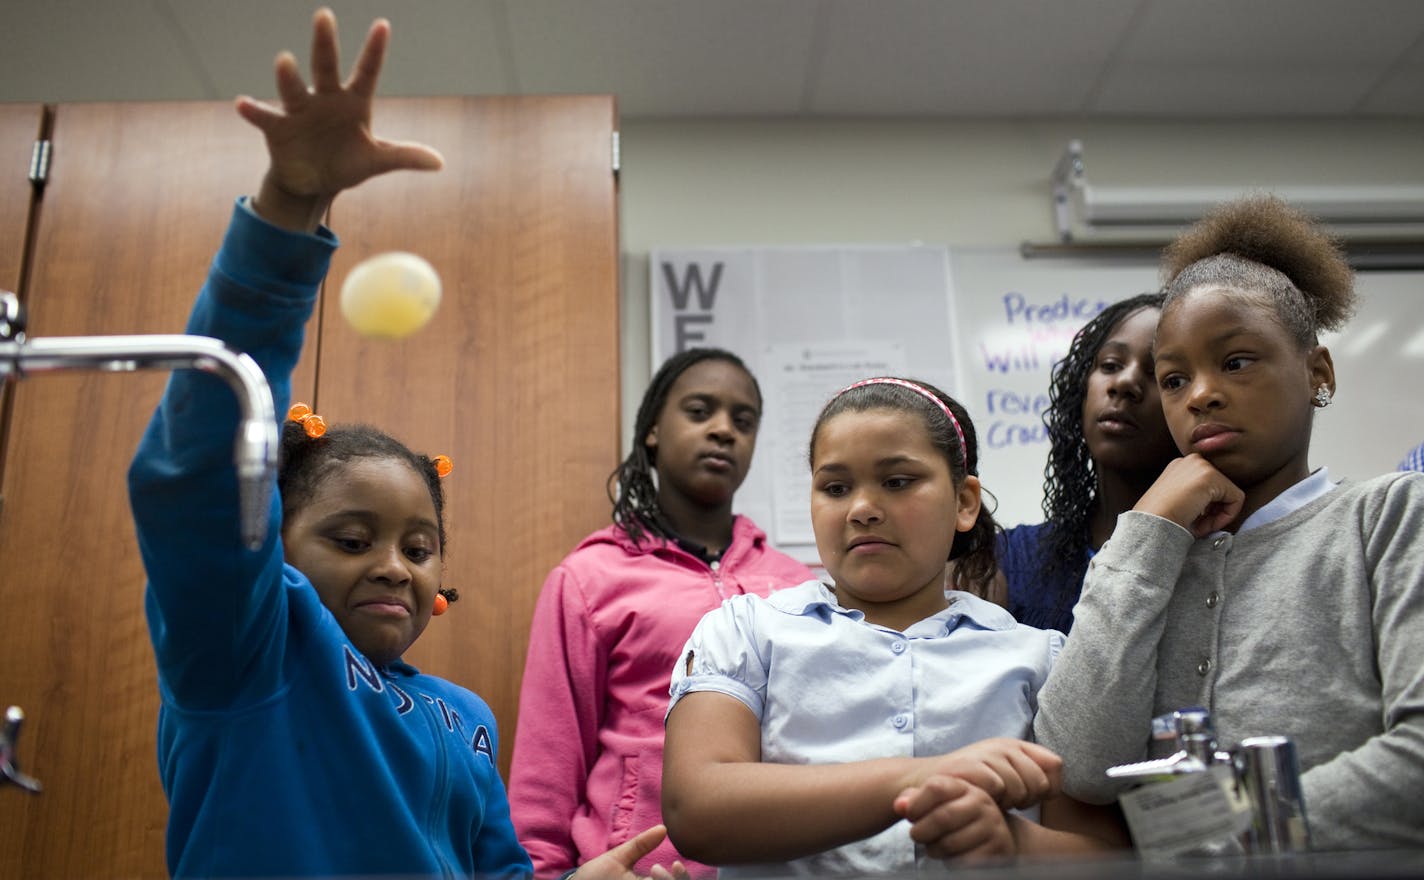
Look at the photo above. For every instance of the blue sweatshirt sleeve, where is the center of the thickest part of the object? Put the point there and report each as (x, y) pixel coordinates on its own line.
(217, 611)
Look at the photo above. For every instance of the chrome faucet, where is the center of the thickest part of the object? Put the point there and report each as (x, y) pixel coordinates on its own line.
(254, 448)
(1264, 772)
(1192, 730)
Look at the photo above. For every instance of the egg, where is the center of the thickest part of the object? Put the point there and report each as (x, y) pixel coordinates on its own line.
(390, 295)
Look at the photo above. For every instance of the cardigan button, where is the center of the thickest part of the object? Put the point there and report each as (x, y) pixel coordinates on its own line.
(1203, 667)
(1213, 599)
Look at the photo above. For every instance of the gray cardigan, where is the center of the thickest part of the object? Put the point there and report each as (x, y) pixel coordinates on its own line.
(1310, 626)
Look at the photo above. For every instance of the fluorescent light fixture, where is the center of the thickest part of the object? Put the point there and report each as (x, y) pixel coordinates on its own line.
(1076, 203)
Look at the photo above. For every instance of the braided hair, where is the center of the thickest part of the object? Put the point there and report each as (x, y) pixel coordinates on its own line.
(631, 486)
(304, 462)
(1070, 480)
(972, 551)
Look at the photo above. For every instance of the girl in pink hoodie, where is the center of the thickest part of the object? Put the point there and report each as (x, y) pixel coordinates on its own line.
(612, 617)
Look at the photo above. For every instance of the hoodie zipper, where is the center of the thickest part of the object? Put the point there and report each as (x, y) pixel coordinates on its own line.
(716, 566)
(442, 773)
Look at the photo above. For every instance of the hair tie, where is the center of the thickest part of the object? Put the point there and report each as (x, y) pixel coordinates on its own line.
(927, 395)
(443, 465)
(312, 423)
(443, 597)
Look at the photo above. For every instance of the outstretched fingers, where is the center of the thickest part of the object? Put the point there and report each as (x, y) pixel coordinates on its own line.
(641, 844)
(367, 70)
(291, 94)
(291, 88)
(617, 863)
(319, 139)
(256, 112)
(325, 54)
(406, 155)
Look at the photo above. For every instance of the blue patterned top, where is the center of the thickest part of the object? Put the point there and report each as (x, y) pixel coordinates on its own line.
(1048, 605)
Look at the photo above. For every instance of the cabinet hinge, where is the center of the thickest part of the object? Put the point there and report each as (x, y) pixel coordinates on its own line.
(39, 162)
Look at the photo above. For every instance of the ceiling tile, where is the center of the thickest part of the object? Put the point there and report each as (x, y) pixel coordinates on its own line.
(1401, 91)
(667, 58)
(79, 50)
(979, 58)
(1265, 57)
(759, 58)
(438, 47)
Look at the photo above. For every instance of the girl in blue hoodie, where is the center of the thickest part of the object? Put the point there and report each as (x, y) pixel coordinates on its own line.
(293, 740)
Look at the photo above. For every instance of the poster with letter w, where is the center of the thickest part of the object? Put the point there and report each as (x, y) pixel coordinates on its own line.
(807, 321)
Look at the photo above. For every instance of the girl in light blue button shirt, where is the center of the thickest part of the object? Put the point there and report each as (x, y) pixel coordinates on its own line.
(877, 724)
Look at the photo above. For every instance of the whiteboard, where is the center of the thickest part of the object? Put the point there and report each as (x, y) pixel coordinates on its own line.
(1377, 417)
(807, 321)
(986, 325)
(1378, 413)
(1018, 318)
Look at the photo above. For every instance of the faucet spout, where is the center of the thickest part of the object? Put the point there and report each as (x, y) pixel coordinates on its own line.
(256, 444)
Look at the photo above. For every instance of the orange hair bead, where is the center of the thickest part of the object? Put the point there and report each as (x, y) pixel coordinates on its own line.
(443, 465)
(313, 424)
(441, 605)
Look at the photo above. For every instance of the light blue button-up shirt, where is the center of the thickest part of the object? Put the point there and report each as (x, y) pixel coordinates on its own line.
(828, 687)
(1307, 490)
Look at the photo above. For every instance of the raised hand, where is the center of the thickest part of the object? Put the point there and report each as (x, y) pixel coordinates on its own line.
(319, 138)
(617, 863)
(955, 819)
(1192, 493)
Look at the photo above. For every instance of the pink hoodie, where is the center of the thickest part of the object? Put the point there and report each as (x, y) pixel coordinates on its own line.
(611, 620)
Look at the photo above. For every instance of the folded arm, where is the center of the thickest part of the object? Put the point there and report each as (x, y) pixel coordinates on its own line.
(723, 805)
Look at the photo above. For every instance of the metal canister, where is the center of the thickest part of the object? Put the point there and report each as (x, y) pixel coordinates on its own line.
(1269, 770)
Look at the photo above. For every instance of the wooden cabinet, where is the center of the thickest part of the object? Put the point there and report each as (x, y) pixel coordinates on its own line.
(516, 380)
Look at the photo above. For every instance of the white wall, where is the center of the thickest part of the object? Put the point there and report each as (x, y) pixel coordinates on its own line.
(960, 183)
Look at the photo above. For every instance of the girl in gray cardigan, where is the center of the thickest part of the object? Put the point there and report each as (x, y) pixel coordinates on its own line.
(1243, 581)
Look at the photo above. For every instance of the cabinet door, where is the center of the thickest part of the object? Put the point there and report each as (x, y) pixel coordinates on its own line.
(516, 378)
(136, 204)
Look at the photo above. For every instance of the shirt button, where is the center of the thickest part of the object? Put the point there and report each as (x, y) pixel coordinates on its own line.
(900, 721)
(1204, 667)
(898, 647)
(1213, 599)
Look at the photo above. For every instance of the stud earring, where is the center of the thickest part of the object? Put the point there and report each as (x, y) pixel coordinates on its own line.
(1322, 396)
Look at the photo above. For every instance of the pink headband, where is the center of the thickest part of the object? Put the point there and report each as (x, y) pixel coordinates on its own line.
(927, 395)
